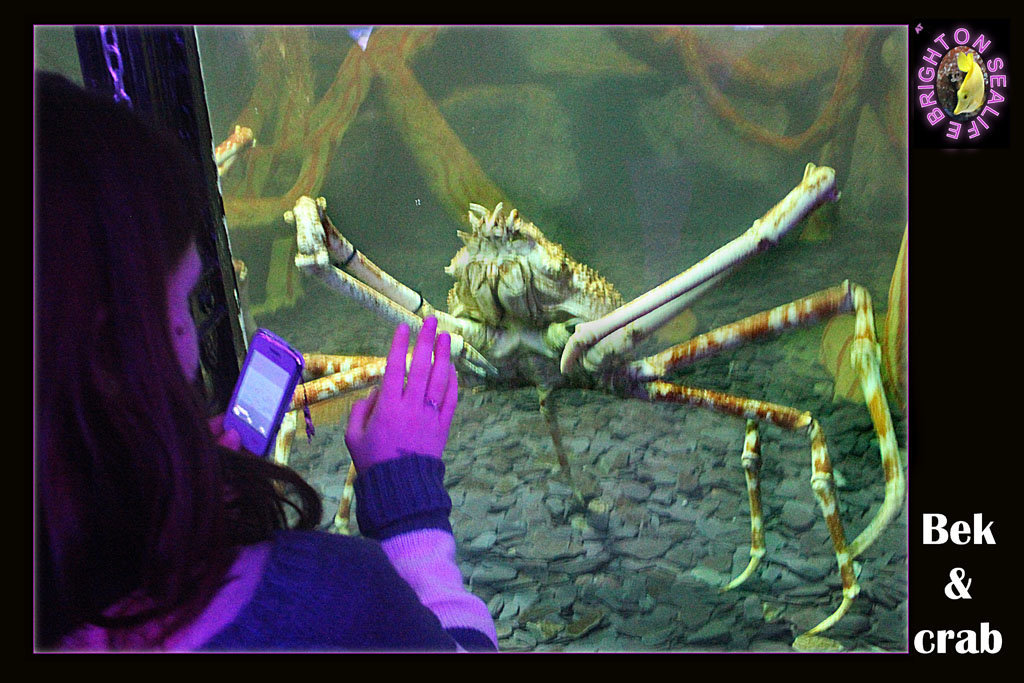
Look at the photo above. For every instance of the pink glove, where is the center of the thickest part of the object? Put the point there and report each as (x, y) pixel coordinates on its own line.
(399, 417)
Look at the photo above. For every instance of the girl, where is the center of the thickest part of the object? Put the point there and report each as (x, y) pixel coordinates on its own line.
(154, 532)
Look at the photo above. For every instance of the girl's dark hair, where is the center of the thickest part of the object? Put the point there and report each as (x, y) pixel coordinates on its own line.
(133, 496)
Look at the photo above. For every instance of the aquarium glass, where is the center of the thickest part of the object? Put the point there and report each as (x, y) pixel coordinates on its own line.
(54, 49)
(640, 151)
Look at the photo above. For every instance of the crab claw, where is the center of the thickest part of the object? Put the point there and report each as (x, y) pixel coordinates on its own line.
(478, 364)
(474, 360)
(310, 236)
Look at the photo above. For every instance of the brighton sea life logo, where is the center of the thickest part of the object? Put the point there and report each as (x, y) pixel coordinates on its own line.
(959, 82)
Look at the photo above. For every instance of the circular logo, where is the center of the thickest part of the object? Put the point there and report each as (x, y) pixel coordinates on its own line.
(959, 83)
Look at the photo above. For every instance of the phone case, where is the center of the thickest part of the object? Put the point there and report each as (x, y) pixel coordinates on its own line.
(239, 418)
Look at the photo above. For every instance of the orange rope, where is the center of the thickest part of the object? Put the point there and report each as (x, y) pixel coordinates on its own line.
(454, 175)
(843, 103)
(302, 131)
(309, 134)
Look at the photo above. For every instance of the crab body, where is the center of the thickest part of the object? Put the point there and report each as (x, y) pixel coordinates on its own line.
(510, 277)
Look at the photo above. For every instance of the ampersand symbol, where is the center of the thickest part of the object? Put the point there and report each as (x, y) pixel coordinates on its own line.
(956, 589)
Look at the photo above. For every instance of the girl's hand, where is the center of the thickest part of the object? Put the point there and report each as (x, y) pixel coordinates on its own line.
(227, 438)
(407, 417)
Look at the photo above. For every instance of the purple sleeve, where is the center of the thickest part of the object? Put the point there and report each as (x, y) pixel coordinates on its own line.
(403, 504)
(426, 560)
(322, 592)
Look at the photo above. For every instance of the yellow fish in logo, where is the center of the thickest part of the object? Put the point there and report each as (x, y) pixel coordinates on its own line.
(971, 94)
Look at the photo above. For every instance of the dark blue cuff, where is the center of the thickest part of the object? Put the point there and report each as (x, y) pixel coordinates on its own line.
(471, 640)
(400, 495)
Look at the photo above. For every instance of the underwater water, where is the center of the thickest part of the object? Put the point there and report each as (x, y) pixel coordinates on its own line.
(606, 140)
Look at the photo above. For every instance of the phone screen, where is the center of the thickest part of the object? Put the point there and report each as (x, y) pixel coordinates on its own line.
(260, 393)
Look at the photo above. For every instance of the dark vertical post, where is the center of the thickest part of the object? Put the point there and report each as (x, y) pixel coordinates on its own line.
(162, 77)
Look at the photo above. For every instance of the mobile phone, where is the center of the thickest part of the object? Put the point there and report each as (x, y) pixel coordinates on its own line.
(264, 391)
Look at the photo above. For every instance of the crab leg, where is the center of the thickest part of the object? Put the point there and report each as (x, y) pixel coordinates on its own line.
(367, 284)
(319, 365)
(751, 460)
(285, 434)
(864, 355)
(343, 517)
(316, 232)
(626, 337)
(547, 410)
(228, 151)
(325, 377)
(804, 311)
(356, 372)
(842, 298)
(817, 187)
(821, 469)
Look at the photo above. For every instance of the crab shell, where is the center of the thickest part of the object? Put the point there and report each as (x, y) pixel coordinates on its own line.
(508, 273)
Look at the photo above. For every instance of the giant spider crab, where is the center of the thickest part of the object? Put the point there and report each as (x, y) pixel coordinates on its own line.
(522, 311)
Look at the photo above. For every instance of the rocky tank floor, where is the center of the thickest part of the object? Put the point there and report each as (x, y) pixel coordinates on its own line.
(640, 569)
